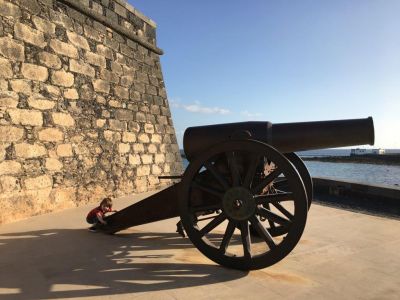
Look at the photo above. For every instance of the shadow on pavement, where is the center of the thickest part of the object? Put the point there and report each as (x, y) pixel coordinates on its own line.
(68, 263)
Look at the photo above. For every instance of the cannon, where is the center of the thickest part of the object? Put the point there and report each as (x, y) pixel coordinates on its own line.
(244, 197)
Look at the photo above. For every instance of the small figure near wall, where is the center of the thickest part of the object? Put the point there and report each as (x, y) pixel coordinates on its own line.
(96, 215)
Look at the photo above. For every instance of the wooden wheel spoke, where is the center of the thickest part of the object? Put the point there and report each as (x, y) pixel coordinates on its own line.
(267, 180)
(251, 171)
(245, 233)
(217, 175)
(234, 168)
(273, 198)
(266, 213)
(284, 211)
(214, 223)
(264, 234)
(227, 236)
(207, 189)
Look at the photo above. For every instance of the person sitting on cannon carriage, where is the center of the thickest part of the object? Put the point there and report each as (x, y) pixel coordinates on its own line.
(97, 214)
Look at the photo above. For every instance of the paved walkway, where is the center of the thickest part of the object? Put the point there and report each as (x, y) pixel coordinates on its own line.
(342, 255)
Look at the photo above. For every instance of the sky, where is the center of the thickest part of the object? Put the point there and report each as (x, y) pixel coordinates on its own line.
(280, 61)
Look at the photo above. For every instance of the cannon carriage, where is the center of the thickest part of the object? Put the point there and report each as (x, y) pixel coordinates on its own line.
(244, 197)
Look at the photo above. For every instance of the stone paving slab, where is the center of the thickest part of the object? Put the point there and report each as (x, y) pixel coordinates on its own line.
(342, 255)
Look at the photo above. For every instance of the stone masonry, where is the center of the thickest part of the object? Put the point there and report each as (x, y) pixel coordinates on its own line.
(83, 107)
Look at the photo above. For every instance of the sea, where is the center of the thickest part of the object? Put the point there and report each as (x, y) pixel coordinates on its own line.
(387, 175)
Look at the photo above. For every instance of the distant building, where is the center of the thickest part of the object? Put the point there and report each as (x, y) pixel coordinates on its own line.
(359, 151)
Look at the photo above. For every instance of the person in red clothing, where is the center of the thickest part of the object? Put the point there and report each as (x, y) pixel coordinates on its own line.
(96, 215)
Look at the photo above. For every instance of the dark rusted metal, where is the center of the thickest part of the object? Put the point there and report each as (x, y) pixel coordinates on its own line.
(286, 137)
(160, 206)
(244, 176)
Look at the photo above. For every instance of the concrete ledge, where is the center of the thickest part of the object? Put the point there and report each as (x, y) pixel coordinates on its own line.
(375, 199)
(349, 188)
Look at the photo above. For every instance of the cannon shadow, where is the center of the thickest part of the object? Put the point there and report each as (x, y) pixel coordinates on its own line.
(71, 263)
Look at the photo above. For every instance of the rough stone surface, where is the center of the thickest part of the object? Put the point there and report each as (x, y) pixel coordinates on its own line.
(11, 49)
(83, 109)
(34, 72)
(26, 117)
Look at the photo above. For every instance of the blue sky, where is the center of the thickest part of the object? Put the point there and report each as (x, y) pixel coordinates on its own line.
(280, 61)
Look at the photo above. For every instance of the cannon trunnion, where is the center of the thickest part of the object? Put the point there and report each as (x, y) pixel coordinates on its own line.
(244, 197)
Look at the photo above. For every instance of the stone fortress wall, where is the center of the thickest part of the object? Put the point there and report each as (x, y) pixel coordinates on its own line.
(83, 107)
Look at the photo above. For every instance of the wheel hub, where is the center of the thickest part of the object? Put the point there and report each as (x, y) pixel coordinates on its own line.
(238, 203)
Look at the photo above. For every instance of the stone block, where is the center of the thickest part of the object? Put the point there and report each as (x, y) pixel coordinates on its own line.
(100, 123)
(21, 86)
(53, 164)
(49, 60)
(30, 5)
(109, 76)
(8, 9)
(142, 77)
(62, 78)
(117, 125)
(138, 148)
(71, 94)
(63, 119)
(5, 68)
(152, 148)
(61, 19)
(95, 59)
(121, 10)
(114, 103)
(156, 170)
(10, 167)
(124, 114)
(81, 68)
(34, 72)
(112, 136)
(101, 86)
(51, 135)
(11, 134)
(143, 138)
(146, 159)
(148, 128)
(151, 90)
(124, 148)
(63, 48)
(105, 51)
(64, 150)
(11, 49)
(134, 159)
(156, 139)
(25, 150)
(128, 137)
(159, 158)
(41, 103)
(127, 81)
(9, 184)
(29, 35)
(78, 40)
(44, 25)
(121, 92)
(143, 170)
(8, 99)
(52, 91)
(26, 117)
(140, 117)
(39, 182)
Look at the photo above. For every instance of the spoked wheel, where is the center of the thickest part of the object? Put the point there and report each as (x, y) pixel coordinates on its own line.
(230, 184)
(282, 185)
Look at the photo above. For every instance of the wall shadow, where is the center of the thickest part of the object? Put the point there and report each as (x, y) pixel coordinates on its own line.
(70, 263)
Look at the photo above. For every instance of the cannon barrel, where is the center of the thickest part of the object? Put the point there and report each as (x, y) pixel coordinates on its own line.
(285, 137)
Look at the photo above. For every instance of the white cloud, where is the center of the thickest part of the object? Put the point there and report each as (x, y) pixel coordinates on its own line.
(248, 114)
(198, 108)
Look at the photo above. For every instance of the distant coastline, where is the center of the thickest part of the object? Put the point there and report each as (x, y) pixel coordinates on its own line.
(386, 159)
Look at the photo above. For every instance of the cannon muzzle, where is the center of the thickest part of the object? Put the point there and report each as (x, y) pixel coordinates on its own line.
(286, 137)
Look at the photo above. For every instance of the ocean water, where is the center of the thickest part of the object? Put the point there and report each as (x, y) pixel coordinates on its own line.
(362, 173)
